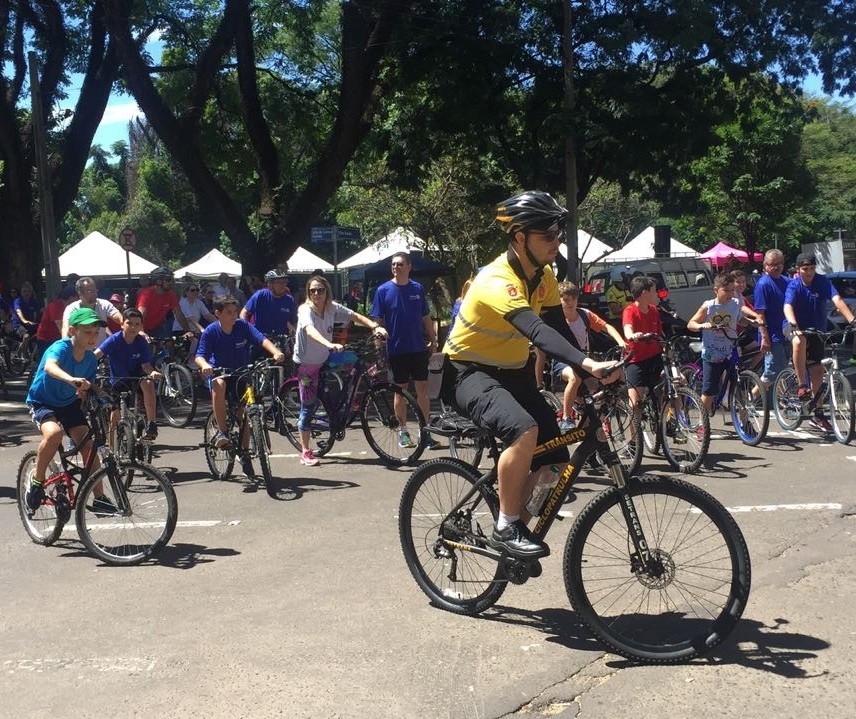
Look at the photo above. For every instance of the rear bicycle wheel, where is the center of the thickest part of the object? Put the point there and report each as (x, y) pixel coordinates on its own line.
(177, 395)
(132, 519)
(454, 579)
(386, 432)
(841, 407)
(124, 442)
(695, 586)
(685, 430)
(625, 435)
(220, 461)
(750, 411)
(468, 446)
(321, 439)
(261, 442)
(650, 426)
(786, 405)
(45, 524)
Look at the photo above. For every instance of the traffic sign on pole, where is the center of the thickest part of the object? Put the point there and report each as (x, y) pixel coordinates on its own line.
(128, 239)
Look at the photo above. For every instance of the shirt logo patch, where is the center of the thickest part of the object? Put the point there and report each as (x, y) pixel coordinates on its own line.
(542, 291)
(512, 290)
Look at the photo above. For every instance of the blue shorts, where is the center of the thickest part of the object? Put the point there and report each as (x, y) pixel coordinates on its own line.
(69, 416)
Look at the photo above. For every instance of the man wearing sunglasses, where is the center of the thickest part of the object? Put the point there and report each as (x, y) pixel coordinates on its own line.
(769, 299)
(514, 301)
(805, 306)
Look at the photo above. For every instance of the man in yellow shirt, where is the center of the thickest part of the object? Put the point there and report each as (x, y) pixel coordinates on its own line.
(514, 301)
(617, 298)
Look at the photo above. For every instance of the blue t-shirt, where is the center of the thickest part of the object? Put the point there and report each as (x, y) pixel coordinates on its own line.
(271, 313)
(809, 303)
(770, 298)
(53, 392)
(126, 359)
(29, 308)
(232, 350)
(402, 307)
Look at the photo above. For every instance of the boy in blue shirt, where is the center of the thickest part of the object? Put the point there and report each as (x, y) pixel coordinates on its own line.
(65, 373)
(228, 344)
(129, 356)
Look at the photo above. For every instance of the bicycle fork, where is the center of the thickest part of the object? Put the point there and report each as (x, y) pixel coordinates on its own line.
(641, 559)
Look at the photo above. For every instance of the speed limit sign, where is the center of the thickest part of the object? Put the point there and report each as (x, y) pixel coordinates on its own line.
(128, 239)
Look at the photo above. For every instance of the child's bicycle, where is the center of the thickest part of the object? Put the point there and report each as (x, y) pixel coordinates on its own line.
(247, 430)
(124, 514)
(367, 396)
(655, 567)
(835, 392)
(176, 392)
(127, 438)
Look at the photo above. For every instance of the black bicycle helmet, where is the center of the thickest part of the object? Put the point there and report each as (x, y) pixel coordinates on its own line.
(531, 210)
(161, 273)
(275, 274)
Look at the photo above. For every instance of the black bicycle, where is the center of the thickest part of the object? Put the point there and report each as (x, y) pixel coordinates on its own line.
(655, 567)
(124, 514)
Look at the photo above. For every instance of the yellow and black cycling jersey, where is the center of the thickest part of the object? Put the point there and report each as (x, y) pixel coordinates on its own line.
(482, 332)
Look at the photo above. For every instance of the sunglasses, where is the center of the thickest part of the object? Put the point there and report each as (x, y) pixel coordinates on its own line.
(809, 264)
(317, 290)
(193, 289)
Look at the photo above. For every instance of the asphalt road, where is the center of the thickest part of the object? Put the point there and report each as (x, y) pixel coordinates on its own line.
(303, 606)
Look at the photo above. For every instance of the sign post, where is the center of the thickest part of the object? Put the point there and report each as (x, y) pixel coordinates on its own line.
(128, 241)
(334, 234)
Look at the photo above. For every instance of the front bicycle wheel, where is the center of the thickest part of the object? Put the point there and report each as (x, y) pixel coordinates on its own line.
(45, 524)
(125, 517)
(685, 430)
(261, 444)
(786, 403)
(688, 594)
(750, 410)
(436, 540)
(177, 395)
(321, 439)
(841, 407)
(391, 417)
(220, 461)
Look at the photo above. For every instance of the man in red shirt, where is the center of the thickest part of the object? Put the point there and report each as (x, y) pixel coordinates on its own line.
(157, 301)
(50, 326)
(641, 317)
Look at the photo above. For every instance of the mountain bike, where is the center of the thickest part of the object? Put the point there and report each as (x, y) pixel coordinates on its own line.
(655, 567)
(134, 524)
(126, 436)
(741, 391)
(835, 393)
(177, 390)
(247, 430)
(368, 396)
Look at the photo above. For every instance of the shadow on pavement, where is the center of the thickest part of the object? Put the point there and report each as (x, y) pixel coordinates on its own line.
(288, 490)
(187, 556)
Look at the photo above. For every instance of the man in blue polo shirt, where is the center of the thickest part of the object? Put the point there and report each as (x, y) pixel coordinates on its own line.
(272, 309)
(769, 300)
(805, 306)
(401, 305)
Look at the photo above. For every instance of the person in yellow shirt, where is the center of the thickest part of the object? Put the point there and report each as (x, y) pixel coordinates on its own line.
(514, 301)
(617, 298)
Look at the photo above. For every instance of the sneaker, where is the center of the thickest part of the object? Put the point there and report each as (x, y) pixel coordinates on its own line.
(151, 432)
(803, 392)
(221, 440)
(103, 507)
(404, 440)
(517, 541)
(309, 459)
(566, 425)
(820, 422)
(429, 441)
(699, 433)
(852, 361)
(35, 497)
(247, 465)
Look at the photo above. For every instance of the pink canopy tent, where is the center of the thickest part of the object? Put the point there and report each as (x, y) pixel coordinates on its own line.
(721, 254)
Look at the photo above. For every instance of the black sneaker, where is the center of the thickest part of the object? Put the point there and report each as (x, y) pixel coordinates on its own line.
(35, 497)
(517, 541)
(151, 432)
(429, 441)
(247, 466)
(103, 507)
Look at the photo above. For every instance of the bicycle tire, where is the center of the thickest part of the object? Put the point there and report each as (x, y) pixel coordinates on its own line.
(124, 442)
(177, 395)
(685, 435)
(220, 461)
(321, 436)
(468, 446)
(841, 407)
(140, 531)
(261, 440)
(786, 405)
(698, 550)
(383, 428)
(692, 374)
(17, 364)
(750, 408)
(44, 526)
(625, 431)
(462, 582)
(649, 426)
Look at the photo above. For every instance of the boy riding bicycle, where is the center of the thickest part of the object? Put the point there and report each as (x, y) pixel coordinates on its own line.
(129, 355)
(65, 373)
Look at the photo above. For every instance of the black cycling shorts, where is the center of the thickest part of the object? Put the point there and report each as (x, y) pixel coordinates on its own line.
(645, 373)
(814, 349)
(409, 366)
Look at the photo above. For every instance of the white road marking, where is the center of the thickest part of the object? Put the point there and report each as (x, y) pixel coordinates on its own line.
(14, 405)
(70, 529)
(794, 434)
(129, 665)
(295, 455)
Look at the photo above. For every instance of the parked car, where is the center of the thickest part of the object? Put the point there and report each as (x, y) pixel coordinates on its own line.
(845, 283)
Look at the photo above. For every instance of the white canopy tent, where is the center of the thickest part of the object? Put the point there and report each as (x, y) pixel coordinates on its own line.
(304, 261)
(211, 265)
(98, 256)
(399, 240)
(641, 247)
(589, 248)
